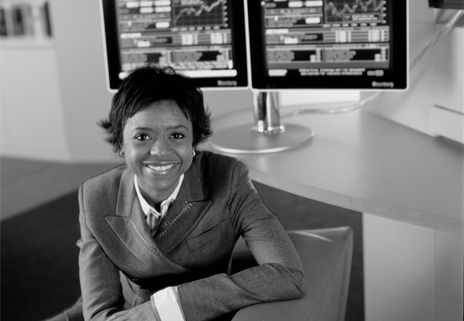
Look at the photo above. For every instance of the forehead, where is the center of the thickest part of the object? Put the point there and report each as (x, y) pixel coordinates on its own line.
(158, 113)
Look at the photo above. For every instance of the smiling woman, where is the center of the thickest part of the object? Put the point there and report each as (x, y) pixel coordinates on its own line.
(157, 234)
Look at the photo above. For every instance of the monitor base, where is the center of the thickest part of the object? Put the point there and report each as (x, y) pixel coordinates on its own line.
(245, 139)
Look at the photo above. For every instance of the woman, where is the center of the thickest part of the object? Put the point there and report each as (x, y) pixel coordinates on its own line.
(157, 234)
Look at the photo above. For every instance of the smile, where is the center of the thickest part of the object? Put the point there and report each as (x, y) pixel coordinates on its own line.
(160, 168)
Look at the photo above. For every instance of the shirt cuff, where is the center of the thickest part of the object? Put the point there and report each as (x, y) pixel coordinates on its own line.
(166, 303)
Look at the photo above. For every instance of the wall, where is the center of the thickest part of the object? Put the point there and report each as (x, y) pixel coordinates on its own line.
(81, 70)
(53, 94)
(32, 120)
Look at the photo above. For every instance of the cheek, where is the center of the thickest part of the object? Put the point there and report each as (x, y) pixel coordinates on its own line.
(133, 155)
(187, 157)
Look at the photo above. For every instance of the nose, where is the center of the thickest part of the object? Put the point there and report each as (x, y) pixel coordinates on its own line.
(160, 148)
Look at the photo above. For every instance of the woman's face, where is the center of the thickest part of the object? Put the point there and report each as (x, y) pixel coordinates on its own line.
(157, 144)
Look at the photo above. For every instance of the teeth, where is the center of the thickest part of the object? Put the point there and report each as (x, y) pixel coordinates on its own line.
(160, 168)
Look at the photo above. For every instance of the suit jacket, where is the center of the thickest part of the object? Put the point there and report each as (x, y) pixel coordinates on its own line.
(122, 265)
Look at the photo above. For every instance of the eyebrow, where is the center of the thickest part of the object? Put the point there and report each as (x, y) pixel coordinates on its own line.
(178, 126)
(169, 128)
(140, 128)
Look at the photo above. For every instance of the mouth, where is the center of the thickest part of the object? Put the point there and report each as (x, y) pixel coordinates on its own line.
(160, 169)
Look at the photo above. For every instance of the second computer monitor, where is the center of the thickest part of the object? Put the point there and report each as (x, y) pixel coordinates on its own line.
(328, 44)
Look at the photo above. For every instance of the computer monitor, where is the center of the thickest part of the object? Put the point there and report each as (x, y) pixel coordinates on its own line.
(328, 44)
(316, 44)
(204, 39)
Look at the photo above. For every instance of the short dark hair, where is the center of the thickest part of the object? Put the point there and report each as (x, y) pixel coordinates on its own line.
(151, 83)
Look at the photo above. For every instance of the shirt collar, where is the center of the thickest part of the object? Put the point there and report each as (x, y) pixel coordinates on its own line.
(146, 208)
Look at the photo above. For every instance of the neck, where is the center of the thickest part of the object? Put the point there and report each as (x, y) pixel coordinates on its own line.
(155, 200)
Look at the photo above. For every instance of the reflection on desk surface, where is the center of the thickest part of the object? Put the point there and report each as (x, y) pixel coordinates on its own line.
(363, 162)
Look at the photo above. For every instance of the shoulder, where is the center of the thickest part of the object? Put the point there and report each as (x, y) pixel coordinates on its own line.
(219, 174)
(106, 178)
(103, 186)
(210, 163)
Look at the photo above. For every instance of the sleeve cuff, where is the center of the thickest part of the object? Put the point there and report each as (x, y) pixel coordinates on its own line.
(166, 303)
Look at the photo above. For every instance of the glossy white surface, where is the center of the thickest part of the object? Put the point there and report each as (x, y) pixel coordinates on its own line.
(363, 162)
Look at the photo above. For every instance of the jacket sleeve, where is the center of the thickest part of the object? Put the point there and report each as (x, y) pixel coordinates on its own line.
(279, 275)
(100, 279)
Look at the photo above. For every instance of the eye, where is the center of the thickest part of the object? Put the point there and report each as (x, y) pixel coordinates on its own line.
(177, 136)
(142, 137)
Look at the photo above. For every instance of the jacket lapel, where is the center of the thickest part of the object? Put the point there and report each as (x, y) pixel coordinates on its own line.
(128, 221)
(185, 213)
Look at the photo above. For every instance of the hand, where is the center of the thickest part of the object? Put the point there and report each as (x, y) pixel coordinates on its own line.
(143, 312)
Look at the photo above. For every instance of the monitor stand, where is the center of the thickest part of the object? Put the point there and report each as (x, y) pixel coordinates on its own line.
(267, 136)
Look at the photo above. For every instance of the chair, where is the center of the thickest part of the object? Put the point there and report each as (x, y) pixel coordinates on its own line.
(326, 255)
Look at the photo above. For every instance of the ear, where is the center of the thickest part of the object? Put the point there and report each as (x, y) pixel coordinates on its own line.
(121, 150)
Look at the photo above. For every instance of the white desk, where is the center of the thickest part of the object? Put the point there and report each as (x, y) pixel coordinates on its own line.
(410, 189)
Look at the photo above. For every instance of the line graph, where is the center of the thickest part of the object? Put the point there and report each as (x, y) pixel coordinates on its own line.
(200, 13)
(340, 10)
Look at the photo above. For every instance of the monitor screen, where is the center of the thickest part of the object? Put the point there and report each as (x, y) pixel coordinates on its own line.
(328, 44)
(204, 39)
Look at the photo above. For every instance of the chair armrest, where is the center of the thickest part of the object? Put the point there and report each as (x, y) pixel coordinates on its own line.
(326, 255)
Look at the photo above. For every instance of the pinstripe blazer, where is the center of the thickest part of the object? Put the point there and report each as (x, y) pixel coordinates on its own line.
(121, 265)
